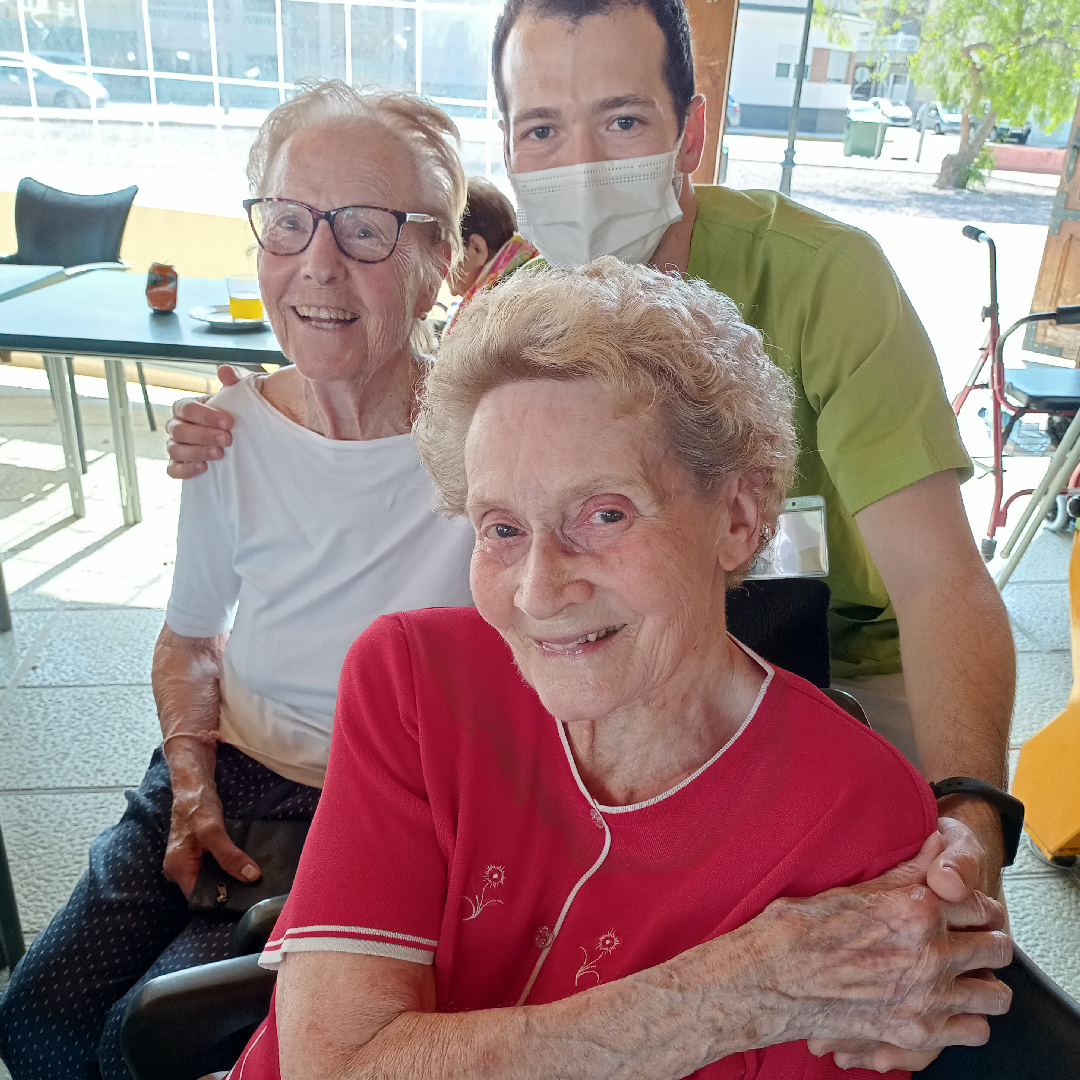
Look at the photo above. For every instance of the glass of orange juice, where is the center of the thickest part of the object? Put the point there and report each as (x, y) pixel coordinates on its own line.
(244, 299)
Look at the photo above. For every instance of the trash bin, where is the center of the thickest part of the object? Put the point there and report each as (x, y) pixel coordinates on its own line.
(863, 138)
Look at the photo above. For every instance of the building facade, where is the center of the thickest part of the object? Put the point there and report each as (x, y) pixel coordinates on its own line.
(765, 64)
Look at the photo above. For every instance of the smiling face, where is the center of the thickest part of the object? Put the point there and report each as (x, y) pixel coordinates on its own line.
(337, 318)
(597, 558)
(592, 91)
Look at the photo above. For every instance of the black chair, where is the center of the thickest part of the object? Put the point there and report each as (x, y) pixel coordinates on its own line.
(786, 622)
(185, 1025)
(254, 929)
(56, 228)
(1037, 1039)
(12, 946)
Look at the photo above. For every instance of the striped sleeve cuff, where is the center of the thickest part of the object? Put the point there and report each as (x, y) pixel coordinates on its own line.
(352, 939)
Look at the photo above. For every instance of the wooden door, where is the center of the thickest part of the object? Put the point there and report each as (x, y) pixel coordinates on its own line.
(712, 25)
(1059, 274)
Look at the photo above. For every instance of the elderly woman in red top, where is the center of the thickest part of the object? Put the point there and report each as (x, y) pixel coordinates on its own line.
(557, 830)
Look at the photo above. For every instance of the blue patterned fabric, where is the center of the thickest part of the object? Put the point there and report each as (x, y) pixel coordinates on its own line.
(61, 1013)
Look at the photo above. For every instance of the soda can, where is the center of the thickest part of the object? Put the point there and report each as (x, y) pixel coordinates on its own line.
(161, 287)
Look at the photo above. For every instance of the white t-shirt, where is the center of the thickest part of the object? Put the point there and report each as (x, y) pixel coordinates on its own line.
(298, 542)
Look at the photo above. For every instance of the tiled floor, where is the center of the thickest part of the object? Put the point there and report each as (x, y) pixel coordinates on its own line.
(77, 719)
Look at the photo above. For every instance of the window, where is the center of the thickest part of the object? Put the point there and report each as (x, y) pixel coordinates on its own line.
(838, 66)
(199, 64)
(783, 71)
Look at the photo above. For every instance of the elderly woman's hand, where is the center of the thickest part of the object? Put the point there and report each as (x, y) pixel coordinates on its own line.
(902, 972)
(198, 433)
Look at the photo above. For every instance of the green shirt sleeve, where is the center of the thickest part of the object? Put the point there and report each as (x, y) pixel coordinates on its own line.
(869, 372)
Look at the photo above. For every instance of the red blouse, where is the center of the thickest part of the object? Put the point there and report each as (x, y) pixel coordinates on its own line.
(454, 830)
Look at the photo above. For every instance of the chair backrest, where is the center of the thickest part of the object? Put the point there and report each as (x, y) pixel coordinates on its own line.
(56, 228)
(785, 621)
(1037, 1039)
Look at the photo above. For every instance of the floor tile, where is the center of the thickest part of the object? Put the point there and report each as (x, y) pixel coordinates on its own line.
(1047, 559)
(47, 837)
(1027, 863)
(1043, 682)
(57, 737)
(1044, 916)
(1021, 641)
(1041, 611)
(26, 625)
(98, 648)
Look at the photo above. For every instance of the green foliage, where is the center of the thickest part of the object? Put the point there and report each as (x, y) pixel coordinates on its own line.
(828, 16)
(1020, 56)
(978, 172)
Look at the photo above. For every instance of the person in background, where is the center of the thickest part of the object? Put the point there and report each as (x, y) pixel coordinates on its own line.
(320, 522)
(492, 248)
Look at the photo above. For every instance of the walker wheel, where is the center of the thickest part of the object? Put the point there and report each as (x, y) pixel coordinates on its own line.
(1057, 517)
(987, 546)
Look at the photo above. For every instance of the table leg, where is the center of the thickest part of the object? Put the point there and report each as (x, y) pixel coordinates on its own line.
(123, 440)
(61, 395)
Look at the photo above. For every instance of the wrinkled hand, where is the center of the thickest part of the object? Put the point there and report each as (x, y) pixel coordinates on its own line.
(961, 868)
(198, 433)
(891, 962)
(198, 825)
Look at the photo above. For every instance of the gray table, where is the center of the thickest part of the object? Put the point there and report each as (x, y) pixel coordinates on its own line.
(107, 315)
(16, 279)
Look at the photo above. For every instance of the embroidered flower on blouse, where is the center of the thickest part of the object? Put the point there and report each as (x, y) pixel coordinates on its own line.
(607, 942)
(605, 945)
(494, 877)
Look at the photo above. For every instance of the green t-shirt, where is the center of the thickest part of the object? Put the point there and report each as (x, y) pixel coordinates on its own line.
(871, 410)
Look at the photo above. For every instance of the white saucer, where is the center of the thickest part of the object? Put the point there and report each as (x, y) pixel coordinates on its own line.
(218, 316)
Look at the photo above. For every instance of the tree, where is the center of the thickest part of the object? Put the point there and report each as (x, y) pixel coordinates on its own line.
(999, 59)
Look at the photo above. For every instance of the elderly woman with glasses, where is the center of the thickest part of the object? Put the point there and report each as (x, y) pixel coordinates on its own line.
(562, 831)
(318, 521)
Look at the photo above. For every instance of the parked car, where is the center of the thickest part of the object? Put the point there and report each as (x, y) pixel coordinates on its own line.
(943, 119)
(55, 87)
(1008, 131)
(734, 112)
(894, 113)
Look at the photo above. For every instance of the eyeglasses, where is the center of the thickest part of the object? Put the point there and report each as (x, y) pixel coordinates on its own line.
(368, 234)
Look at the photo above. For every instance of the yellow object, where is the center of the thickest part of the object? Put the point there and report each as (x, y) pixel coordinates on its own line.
(245, 307)
(1047, 777)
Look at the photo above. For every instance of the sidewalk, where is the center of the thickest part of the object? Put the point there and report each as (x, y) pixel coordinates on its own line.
(898, 154)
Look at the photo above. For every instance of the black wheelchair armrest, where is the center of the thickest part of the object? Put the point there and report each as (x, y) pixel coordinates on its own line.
(188, 1023)
(1037, 1039)
(254, 929)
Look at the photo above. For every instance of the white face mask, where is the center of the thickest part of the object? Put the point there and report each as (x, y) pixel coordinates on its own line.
(575, 213)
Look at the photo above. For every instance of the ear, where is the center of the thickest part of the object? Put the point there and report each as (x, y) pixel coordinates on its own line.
(506, 146)
(693, 140)
(739, 530)
(477, 250)
(432, 282)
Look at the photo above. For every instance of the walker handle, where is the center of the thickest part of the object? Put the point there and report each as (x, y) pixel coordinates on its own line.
(973, 232)
(1069, 315)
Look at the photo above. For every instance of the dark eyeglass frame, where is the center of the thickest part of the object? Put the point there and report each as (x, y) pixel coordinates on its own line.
(329, 216)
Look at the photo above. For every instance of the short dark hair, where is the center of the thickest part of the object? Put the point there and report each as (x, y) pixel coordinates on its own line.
(488, 213)
(670, 16)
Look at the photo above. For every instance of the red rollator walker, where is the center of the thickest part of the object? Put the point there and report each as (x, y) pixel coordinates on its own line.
(1015, 393)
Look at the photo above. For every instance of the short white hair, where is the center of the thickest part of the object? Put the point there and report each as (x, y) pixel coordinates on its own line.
(675, 346)
(430, 136)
